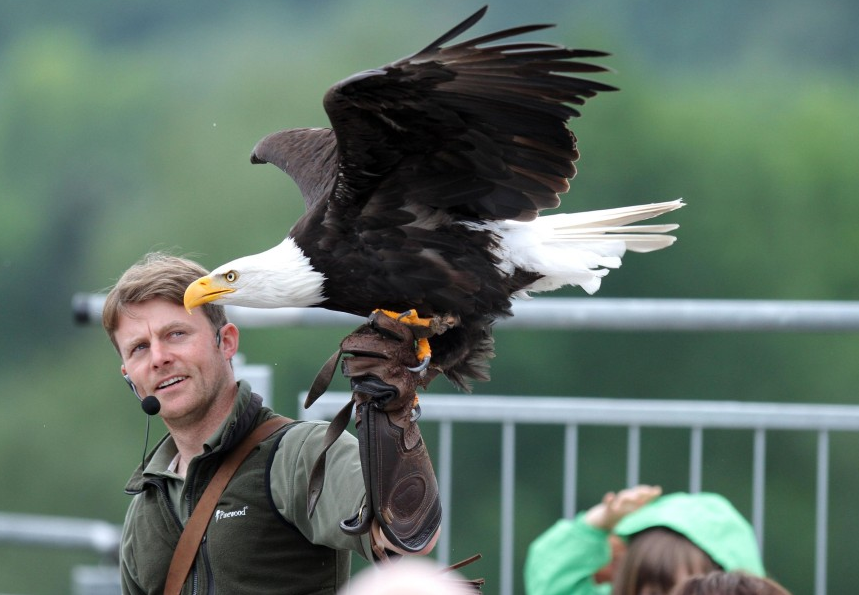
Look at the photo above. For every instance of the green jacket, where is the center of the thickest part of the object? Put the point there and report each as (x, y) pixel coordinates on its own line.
(259, 539)
(563, 560)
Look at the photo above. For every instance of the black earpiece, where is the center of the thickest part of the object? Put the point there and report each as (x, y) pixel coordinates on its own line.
(133, 388)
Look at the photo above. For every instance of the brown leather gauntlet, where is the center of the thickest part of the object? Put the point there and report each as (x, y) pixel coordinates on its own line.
(401, 488)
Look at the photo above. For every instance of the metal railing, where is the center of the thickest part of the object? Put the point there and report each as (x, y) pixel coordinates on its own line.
(572, 413)
(588, 313)
(61, 532)
(56, 532)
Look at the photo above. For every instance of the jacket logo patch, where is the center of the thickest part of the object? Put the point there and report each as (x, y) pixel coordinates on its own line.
(220, 514)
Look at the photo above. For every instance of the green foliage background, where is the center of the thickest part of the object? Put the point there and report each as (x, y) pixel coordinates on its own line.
(127, 126)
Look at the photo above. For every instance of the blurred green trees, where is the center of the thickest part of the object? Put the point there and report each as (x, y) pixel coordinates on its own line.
(127, 126)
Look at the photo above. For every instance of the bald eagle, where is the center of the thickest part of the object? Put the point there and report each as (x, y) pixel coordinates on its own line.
(425, 195)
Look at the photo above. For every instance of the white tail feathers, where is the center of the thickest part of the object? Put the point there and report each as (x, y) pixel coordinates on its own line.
(619, 216)
(579, 248)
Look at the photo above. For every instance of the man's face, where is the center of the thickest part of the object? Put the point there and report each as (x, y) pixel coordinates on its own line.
(175, 356)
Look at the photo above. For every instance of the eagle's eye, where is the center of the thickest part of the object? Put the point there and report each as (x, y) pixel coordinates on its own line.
(231, 276)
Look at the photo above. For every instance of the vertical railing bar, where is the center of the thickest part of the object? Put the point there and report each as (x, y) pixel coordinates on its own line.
(633, 456)
(821, 513)
(571, 469)
(696, 457)
(445, 470)
(759, 484)
(508, 471)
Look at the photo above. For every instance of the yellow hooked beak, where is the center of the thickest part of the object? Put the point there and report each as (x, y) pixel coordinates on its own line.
(204, 290)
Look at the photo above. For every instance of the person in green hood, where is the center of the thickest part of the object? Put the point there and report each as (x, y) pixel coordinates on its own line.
(664, 540)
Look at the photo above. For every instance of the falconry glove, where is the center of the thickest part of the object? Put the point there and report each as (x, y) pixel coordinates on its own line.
(401, 488)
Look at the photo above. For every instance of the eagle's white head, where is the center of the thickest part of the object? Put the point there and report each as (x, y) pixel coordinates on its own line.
(277, 278)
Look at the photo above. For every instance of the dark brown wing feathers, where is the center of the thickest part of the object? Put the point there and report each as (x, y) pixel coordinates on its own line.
(491, 117)
(308, 155)
(494, 113)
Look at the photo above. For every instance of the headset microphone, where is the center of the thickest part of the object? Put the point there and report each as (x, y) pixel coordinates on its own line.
(150, 404)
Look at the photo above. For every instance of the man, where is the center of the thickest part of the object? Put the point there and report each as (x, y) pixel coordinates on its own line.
(261, 538)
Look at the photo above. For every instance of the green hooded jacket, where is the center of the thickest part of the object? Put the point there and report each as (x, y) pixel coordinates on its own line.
(563, 560)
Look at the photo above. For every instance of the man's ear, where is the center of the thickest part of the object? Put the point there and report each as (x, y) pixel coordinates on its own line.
(229, 339)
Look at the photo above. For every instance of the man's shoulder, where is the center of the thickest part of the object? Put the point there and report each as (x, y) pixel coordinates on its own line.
(310, 437)
(303, 428)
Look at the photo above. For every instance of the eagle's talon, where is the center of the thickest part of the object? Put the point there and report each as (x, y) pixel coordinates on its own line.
(425, 362)
(409, 316)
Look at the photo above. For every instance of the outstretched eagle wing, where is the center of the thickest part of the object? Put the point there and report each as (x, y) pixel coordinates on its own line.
(476, 130)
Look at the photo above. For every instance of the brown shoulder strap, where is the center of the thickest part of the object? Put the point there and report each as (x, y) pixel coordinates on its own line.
(189, 542)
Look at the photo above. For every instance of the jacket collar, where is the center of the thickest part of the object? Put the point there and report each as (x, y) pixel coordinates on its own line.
(240, 421)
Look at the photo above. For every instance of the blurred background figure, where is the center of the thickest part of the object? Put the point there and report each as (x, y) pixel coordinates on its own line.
(729, 583)
(667, 539)
(407, 576)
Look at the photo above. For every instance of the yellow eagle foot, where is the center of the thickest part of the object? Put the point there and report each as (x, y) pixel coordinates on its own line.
(423, 328)
(415, 322)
